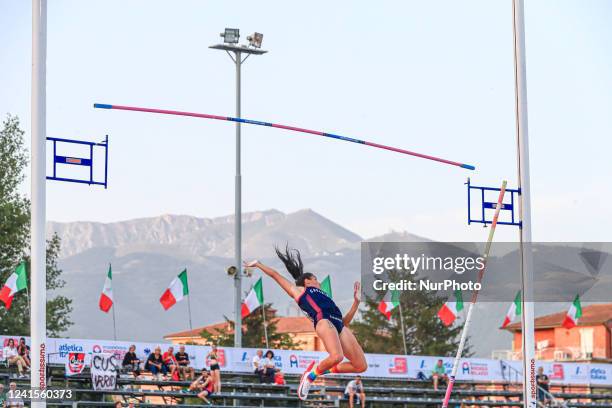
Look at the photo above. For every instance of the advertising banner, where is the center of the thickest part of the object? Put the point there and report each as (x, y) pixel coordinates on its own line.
(71, 352)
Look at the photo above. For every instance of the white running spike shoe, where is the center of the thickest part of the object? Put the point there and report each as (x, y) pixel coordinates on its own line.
(305, 383)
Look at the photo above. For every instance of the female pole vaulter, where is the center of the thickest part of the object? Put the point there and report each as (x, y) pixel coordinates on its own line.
(329, 324)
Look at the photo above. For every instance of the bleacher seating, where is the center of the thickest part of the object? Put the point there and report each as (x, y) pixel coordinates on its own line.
(243, 390)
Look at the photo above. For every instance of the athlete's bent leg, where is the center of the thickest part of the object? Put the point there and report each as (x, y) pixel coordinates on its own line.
(331, 341)
(353, 352)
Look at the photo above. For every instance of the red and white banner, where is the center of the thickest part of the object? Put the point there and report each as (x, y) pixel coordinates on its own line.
(75, 364)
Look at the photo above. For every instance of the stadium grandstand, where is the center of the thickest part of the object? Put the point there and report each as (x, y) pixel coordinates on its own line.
(243, 389)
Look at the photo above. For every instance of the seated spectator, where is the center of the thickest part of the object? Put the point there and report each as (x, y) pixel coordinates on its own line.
(257, 365)
(355, 387)
(24, 351)
(170, 362)
(268, 367)
(182, 358)
(2, 395)
(118, 404)
(203, 385)
(279, 378)
(131, 362)
(12, 400)
(12, 357)
(438, 374)
(155, 364)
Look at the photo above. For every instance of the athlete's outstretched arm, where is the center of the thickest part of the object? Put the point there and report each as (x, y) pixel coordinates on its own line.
(355, 306)
(283, 282)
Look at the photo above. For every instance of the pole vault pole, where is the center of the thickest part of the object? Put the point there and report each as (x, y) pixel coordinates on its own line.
(285, 127)
(38, 278)
(522, 135)
(468, 318)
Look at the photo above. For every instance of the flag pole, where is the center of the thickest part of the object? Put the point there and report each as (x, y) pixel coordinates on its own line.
(403, 330)
(189, 311)
(189, 308)
(110, 266)
(28, 292)
(265, 325)
(114, 323)
(468, 318)
(28, 296)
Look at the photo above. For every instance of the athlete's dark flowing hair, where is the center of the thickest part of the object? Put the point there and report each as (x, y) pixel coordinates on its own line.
(293, 262)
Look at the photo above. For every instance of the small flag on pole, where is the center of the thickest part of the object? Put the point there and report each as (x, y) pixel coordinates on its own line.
(253, 300)
(326, 286)
(450, 310)
(514, 310)
(16, 282)
(386, 306)
(177, 290)
(573, 314)
(106, 297)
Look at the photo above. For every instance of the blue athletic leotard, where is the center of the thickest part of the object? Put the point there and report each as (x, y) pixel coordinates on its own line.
(317, 305)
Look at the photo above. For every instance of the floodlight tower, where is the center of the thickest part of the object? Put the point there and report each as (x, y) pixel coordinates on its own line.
(238, 54)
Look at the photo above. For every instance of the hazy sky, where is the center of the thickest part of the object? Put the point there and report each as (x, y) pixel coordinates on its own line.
(430, 76)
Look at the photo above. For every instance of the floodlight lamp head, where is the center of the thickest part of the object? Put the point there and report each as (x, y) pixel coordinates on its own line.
(255, 40)
(230, 35)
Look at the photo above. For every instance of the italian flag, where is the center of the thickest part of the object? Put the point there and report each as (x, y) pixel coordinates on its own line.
(386, 306)
(253, 300)
(16, 282)
(326, 286)
(514, 310)
(450, 310)
(177, 290)
(106, 297)
(573, 314)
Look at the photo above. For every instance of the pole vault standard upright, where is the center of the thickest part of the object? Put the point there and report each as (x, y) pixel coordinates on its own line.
(286, 127)
(522, 136)
(38, 280)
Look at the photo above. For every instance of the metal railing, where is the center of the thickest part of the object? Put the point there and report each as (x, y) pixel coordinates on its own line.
(554, 402)
(510, 373)
(553, 353)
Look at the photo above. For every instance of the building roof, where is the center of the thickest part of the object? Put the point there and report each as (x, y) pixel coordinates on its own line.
(291, 325)
(592, 315)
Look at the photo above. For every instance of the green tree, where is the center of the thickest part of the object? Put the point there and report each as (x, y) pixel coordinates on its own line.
(425, 333)
(14, 240)
(253, 334)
